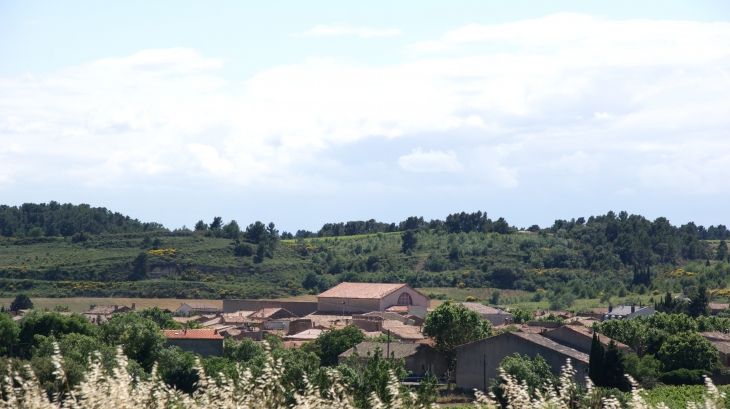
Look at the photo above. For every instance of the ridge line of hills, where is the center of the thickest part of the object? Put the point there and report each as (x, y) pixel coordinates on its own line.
(62, 250)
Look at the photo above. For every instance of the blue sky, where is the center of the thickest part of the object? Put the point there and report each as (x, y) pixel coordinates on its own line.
(303, 113)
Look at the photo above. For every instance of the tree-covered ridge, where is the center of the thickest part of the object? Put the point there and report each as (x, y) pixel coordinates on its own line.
(55, 219)
(635, 240)
(604, 256)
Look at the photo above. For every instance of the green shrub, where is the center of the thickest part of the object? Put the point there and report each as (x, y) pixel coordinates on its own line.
(684, 377)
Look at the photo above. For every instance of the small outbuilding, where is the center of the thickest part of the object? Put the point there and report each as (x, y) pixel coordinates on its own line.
(200, 307)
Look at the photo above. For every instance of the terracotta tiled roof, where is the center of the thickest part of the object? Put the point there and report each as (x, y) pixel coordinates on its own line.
(308, 334)
(270, 312)
(718, 307)
(480, 308)
(361, 290)
(192, 334)
(404, 332)
(601, 338)
(371, 334)
(326, 320)
(202, 306)
(397, 309)
(400, 350)
(720, 340)
(106, 309)
(237, 317)
(548, 343)
(427, 341)
(211, 323)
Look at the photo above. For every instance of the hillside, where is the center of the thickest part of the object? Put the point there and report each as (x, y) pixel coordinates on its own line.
(608, 254)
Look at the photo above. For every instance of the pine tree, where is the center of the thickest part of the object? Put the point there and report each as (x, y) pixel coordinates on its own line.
(700, 303)
(595, 361)
(722, 250)
(613, 369)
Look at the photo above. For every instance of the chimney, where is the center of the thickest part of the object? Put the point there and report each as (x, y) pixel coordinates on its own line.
(633, 308)
(134, 306)
(506, 321)
(610, 307)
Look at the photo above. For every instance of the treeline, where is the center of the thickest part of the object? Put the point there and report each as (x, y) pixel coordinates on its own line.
(55, 219)
(455, 223)
(636, 240)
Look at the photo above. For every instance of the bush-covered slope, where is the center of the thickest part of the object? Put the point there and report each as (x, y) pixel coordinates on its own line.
(580, 258)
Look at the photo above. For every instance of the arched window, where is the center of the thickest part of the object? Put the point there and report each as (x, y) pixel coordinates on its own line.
(405, 299)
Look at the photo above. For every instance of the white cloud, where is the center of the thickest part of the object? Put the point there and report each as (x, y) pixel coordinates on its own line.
(324, 30)
(12, 147)
(509, 105)
(432, 161)
(210, 160)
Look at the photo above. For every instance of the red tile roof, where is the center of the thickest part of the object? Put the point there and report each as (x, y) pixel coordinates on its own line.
(481, 308)
(192, 334)
(361, 290)
(204, 306)
(397, 308)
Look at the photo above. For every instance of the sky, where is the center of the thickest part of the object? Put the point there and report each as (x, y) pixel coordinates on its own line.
(304, 113)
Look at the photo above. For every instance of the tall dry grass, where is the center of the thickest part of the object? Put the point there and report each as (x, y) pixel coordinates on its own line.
(116, 389)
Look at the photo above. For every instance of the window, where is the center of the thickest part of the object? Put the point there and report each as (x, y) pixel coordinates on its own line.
(405, 299)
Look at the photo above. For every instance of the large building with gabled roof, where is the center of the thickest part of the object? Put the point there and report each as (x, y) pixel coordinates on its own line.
(358, 298)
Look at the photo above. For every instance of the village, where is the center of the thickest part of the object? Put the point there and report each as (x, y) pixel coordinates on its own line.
(391, 318)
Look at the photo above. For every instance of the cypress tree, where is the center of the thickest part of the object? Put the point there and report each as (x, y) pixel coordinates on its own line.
(613, 369)
(595, 361)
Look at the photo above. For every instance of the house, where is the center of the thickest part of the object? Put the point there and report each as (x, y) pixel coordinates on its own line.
(721, 341)
(306, 335)
(494, 315)
(405, 333)
(205, 342)
(325, 321)
(627, 312)
(716, 308)
(478, 361)
(360, 298)
(202, 307)
(271, 314)
(580, 338)
(101, 313)
(419, 358)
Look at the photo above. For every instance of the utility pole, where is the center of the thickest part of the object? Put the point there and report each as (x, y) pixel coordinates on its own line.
(388, 353)
(484, 364)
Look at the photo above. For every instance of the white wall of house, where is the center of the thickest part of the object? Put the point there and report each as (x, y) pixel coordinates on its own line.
(392, 298)
(184, 309)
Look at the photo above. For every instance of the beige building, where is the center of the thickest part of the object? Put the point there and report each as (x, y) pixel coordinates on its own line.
(494, 315)
(358, 298)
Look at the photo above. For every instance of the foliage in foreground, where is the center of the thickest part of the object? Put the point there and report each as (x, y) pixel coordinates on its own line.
(119, 389)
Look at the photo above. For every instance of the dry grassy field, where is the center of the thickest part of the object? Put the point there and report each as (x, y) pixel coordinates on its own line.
(79, 304)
